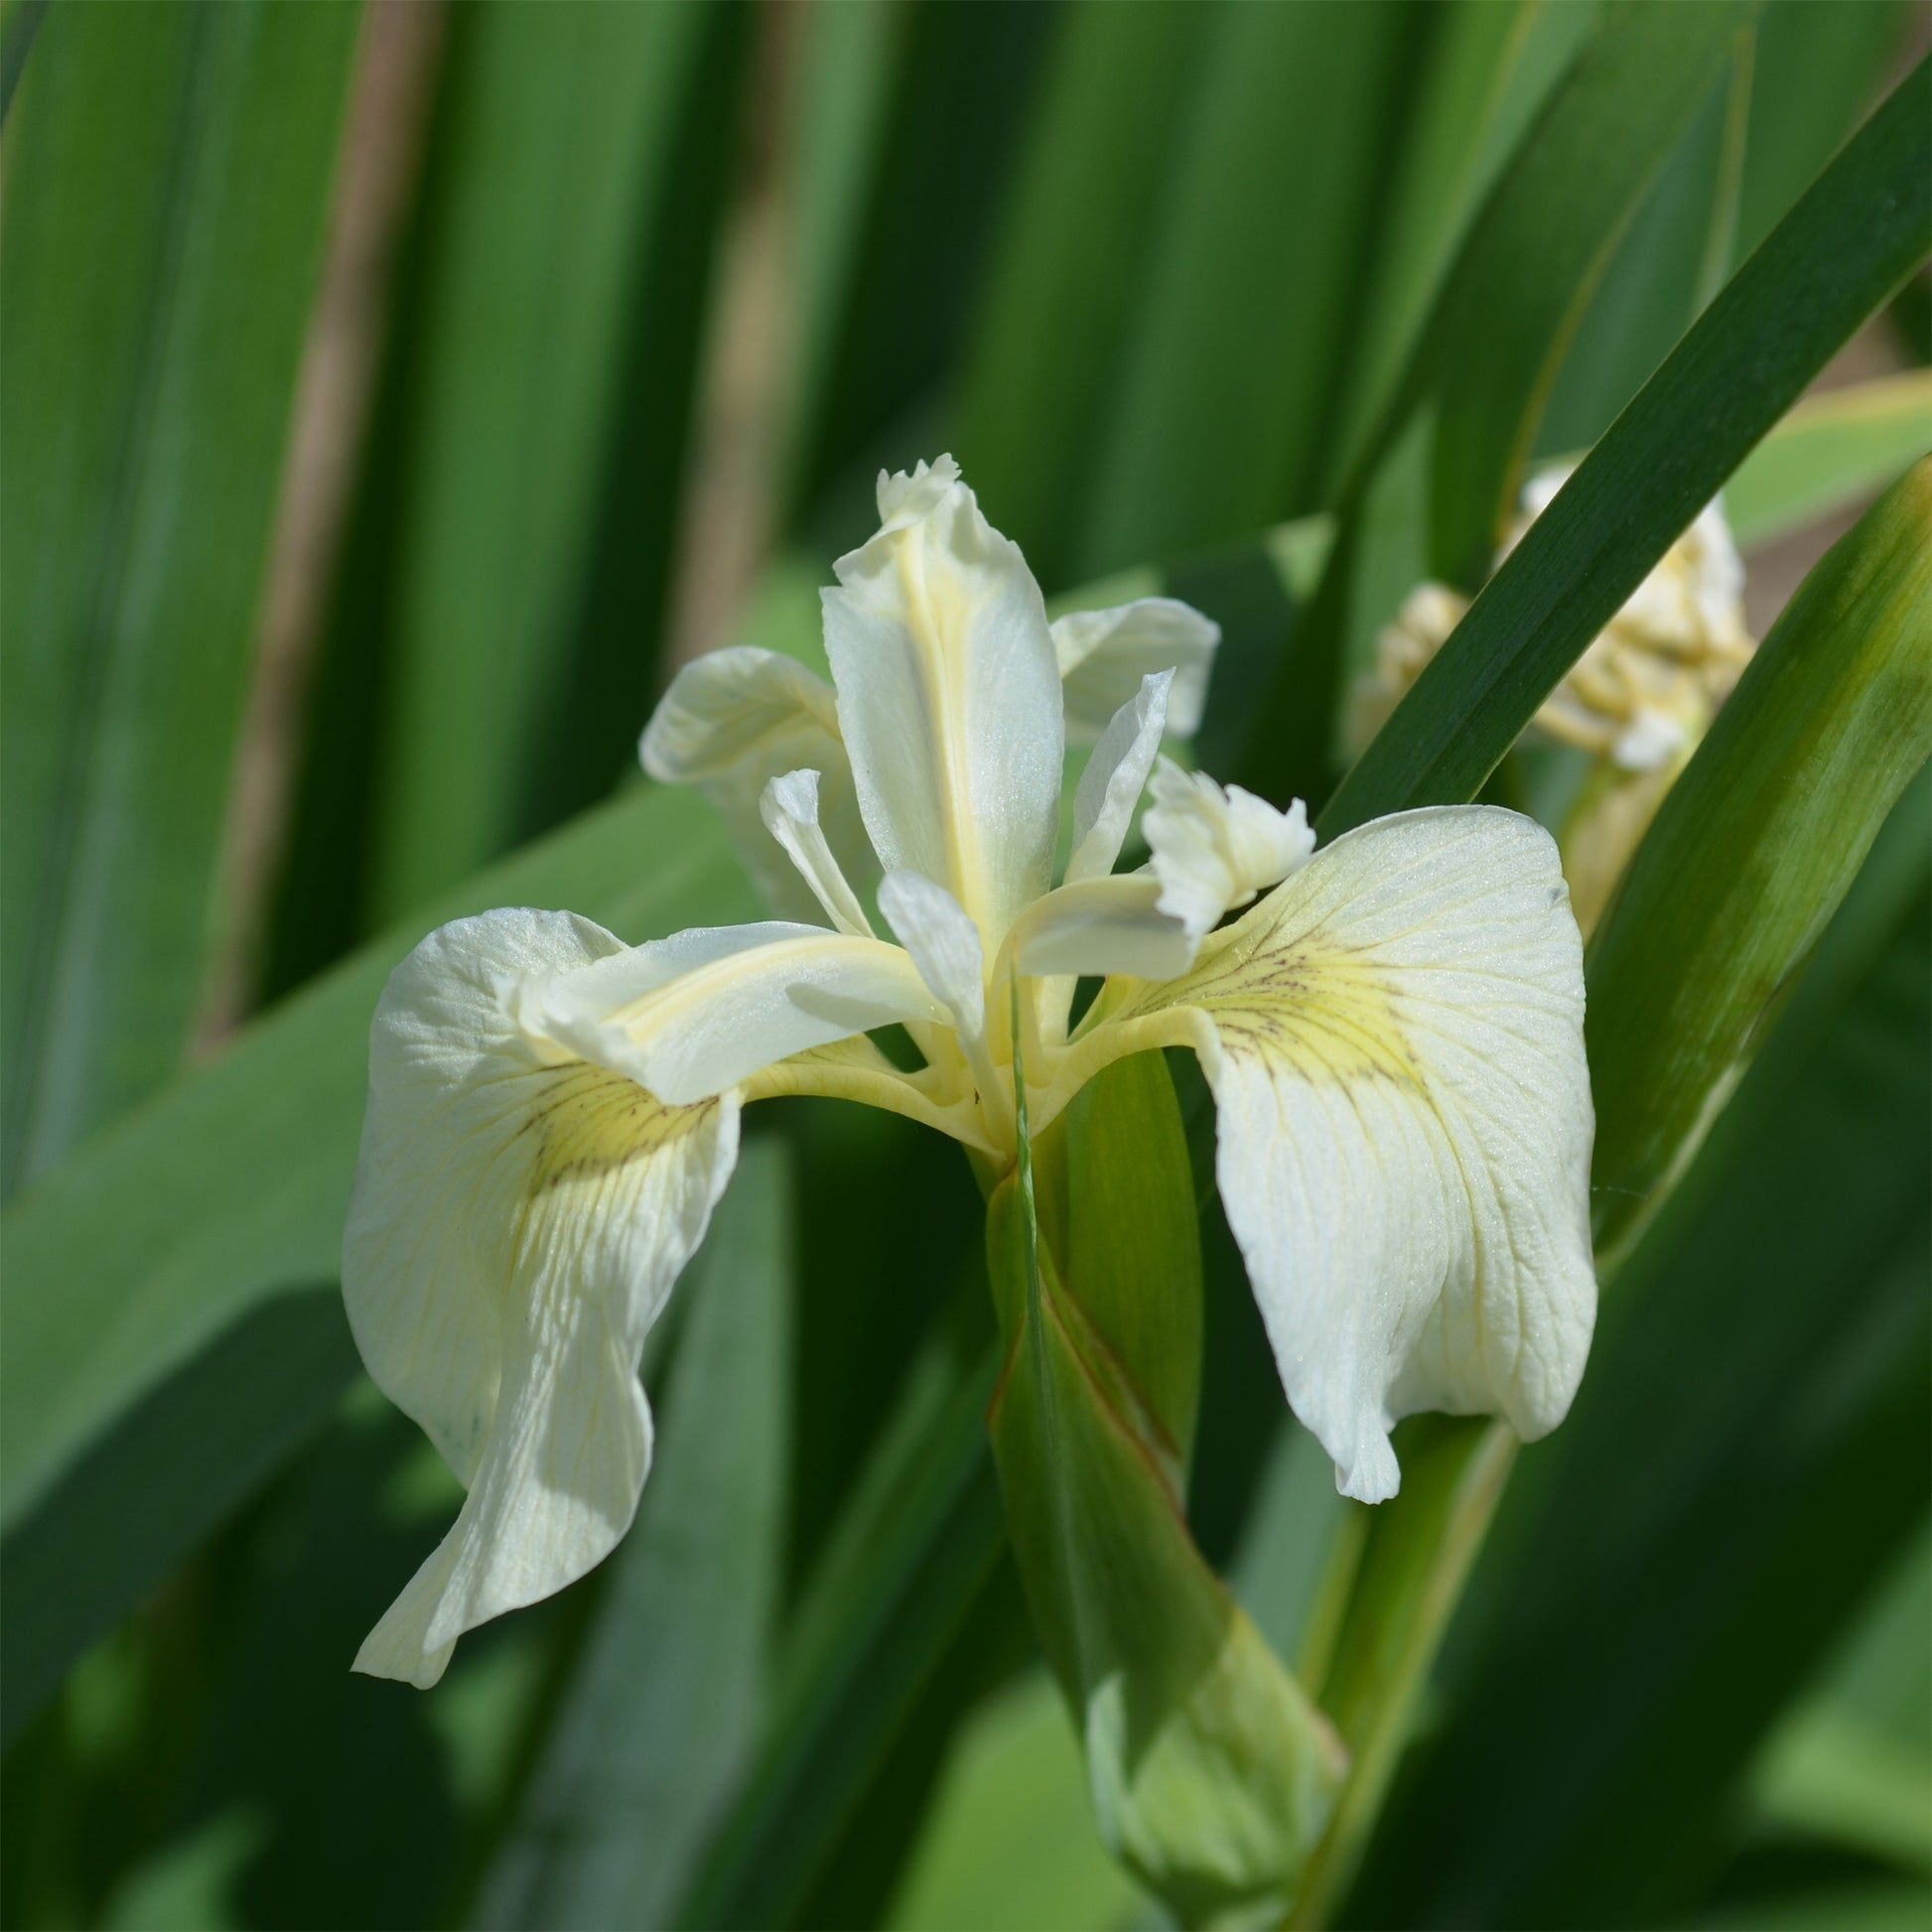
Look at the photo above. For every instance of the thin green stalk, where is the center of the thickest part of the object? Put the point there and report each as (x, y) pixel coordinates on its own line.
(1329, 1611)
(1415, 1563)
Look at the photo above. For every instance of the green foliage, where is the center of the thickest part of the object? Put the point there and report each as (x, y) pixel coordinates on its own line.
(1223, 393)
(157, 295)
(1060, 299)
(1754, 850)
(1015, 1782)
(915, 1541)
(1673, 254)
(1815, 71)
(1450, 432)
(165, 1473)
(1492, 70)
(1403, 1584)
(1536, 253)
(1852, 1761)
(547, 427)
(1833, 450)
(962, 81)
(1858, 232)
(1845, 672)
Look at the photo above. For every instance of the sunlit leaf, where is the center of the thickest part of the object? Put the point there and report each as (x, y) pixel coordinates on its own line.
(1671, 259)
(168, 177)
(171, 1470)
(1211, 1771)
(664, 1700)
(1489, 70)
(581, 155)
(958, 86)
(1464, 411)
(1752, 851)
(1011, 1843)
(1833, 447)
(914, 1547)
(1073, 257)
(1816, 70)
(1404, 1585)
(1226, 387)
(844, 80)
(1535, 252)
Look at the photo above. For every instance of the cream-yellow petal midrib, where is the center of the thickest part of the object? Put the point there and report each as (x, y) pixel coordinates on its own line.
(883, 1087)
(704, 986)
(1387, 1028)
(940, 658)
(1316, 1036)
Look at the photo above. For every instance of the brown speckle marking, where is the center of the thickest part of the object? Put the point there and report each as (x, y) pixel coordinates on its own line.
(1331, 1013)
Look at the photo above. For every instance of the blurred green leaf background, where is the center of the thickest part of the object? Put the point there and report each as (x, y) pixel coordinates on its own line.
(393, 394)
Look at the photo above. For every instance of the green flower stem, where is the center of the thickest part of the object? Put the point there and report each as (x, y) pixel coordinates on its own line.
(1409, 1564)
(1212, 1773)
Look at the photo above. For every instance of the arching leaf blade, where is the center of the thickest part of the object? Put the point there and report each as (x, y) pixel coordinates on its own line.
(1752, 851)
(168, 179)
(1860, 229)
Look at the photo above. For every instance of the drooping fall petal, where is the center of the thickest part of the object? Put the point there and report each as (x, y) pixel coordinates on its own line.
(1394, 1038)
(517, 1228)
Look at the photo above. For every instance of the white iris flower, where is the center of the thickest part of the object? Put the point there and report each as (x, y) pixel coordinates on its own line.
(1393, 1035)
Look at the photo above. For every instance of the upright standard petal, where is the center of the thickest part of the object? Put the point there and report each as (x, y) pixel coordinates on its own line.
(516, 1225)
(1394, 1043)
(1104, 655)
(949, 697)
(732, 721)
(1111, 785)
(944, 944)
(789, 808)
